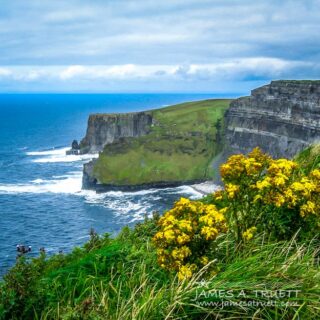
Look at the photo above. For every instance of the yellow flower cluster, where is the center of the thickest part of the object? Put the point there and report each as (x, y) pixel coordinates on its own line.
(283, 186)
(249, 233)
(184, 232)
(260, 194)
(239, 165)
(232, 190)
(257, 184)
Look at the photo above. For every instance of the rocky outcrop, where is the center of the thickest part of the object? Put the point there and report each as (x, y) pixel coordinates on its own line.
(75, 148)
(164, 147)
(88, 180)
(104, 129)
(281, 118)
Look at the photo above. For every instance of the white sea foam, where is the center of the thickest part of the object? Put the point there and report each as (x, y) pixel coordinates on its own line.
(38, 181)
(66, 158)
(205, 187)
(70, 185)
(188, 190)
(130, 205)
(58, 155)
(60, 151)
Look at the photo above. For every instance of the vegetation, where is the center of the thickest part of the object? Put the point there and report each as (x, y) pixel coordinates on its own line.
(186, 235)
(260, 194)
(218, 258)
(181, 146)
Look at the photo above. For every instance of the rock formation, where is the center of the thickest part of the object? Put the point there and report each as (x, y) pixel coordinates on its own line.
(75, 148)
(159, 148)
(106, 128)
(281, 118)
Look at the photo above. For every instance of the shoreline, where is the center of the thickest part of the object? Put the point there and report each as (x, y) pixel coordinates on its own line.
(204, 187)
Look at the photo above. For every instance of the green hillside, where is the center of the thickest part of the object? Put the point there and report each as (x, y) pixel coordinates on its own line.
(271, 272)
(183, 142)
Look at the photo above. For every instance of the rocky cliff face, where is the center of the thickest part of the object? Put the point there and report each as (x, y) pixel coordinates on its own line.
(160, 148)
(281, 118)
(106, 128)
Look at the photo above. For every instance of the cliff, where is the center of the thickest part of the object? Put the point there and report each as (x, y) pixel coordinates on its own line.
(159, 148)
(281, 118)
(104, 129)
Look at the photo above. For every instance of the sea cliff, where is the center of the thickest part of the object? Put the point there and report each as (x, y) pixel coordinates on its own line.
(104, 129)
(186, 143)
(159, 148)
(282, 118)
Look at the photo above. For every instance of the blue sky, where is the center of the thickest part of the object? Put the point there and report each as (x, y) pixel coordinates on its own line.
(223, 47)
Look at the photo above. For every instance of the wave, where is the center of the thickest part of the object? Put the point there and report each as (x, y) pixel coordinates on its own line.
(58, 155)
(38, 181)
(59, 151)
(70, 185)
(128, 207)
(134, 205)
(66, 158)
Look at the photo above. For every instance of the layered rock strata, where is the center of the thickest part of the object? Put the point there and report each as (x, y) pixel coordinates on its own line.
(281, 118)
(104, 129)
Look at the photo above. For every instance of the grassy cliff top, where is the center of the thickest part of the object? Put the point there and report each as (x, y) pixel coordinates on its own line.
(174, 110)
(183, 141)
(309, 158)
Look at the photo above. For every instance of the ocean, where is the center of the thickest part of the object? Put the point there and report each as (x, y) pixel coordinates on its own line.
(41, 201)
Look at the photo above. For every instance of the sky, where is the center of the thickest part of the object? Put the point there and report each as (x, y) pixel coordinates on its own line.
(225, 47)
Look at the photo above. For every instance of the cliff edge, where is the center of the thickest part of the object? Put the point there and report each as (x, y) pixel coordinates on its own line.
(282, 118)
(104, 129)
(158, 148)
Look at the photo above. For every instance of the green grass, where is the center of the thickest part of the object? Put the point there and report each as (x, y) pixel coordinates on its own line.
(180, 147)
(120, 279)
(309, 158)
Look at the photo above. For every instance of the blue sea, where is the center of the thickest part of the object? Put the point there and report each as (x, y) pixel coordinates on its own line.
(41, 201)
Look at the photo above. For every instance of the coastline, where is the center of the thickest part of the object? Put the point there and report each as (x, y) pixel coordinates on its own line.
(102, 188)
(204, 187)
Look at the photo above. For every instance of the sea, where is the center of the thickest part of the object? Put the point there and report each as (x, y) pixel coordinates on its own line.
(41, 200)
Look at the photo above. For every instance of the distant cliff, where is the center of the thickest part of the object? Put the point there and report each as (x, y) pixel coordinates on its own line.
(104, 129)
(282, 118)
(159, 148)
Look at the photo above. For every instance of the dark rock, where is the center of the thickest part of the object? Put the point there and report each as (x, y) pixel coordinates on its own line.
(75, 145)
(75, 148)
(92, 184)
(72, 152)
(104, 129)
(281, 118)
(88, 182)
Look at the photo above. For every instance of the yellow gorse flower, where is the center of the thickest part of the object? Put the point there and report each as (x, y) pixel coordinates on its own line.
(249, 233)
(231, 190)
(204, 260)
(257, 189)
(308, 208)
(179, 227)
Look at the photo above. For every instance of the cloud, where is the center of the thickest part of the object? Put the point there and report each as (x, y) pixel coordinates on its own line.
(76, 14)
(72, 71)
(227, 69)
(184, 41)
(4, 72)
